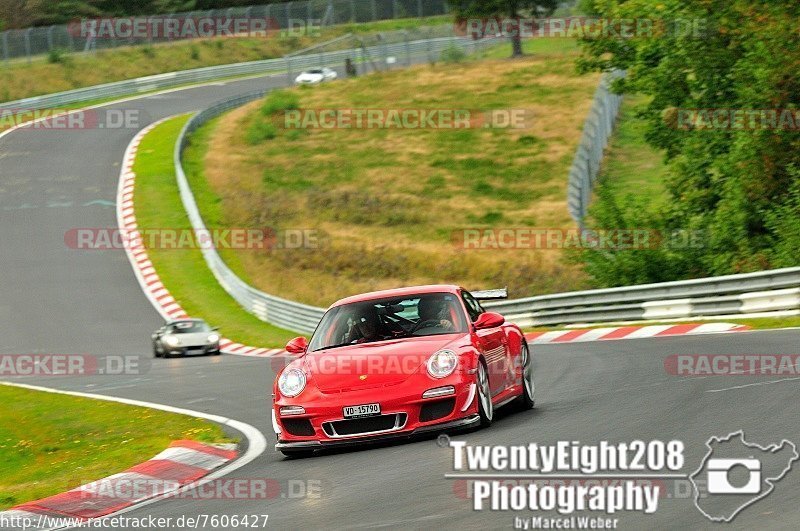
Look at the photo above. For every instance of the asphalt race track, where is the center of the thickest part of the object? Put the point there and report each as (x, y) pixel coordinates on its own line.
(57, 300)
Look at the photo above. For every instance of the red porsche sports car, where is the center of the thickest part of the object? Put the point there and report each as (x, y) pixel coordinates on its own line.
(397, 363)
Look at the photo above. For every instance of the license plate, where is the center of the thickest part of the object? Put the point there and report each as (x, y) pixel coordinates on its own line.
(365, 410)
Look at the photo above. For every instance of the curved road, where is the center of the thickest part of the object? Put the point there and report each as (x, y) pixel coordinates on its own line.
(54, 299)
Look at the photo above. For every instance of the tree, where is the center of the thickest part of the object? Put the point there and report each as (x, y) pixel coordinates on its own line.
(508, 9)
(706, 60)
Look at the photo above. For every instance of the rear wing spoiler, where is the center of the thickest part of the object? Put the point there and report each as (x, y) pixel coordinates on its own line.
(490, 294)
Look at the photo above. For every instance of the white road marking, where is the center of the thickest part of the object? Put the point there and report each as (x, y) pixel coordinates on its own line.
(752, 385)
(256, 442)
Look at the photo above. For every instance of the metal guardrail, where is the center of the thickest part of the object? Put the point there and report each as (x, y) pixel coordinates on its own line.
(275, 310)
(766, 291)
(427, 40)
(747, 293)
(29, 42)
(596, 133)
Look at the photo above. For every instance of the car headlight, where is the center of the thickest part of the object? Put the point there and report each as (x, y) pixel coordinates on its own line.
(213, 338)
(442, 363)
(172, 341)
(292, 382)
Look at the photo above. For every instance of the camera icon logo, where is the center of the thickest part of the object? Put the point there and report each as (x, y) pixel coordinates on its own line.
(719, 476)
(735, 474)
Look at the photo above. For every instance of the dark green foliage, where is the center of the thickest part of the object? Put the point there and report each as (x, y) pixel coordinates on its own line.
(739, 187)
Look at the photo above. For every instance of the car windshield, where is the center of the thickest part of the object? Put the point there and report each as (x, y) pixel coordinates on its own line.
(189, 327)
(315, 71)
(425, 314)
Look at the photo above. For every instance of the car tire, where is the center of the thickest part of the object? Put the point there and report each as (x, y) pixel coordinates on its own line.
(155, 351)
(297, 454)
(527, 399)
(216, 352)
(484, 396)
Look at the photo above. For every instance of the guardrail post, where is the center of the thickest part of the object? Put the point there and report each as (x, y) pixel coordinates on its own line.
(374, 11)
(353, 11)
(408, 48)
(50, 37)
(28, 43)
(419, 8)
(394, 9)
(5, 46)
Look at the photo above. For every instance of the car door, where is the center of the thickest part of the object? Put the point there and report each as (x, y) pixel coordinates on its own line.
(493, 344)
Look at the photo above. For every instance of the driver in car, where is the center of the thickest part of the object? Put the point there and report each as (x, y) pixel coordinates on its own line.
(366, 327)
(433, 312)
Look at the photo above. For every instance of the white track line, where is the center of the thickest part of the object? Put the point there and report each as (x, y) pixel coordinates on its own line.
(256, 442)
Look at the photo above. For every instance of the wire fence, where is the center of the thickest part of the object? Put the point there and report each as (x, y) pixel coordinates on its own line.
(377, 53)
(597, 131)
(73, 38)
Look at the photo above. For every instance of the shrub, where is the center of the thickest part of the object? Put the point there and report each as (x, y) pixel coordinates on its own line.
(260, 131)
(279, 101)
(56, 56)
(453, 54)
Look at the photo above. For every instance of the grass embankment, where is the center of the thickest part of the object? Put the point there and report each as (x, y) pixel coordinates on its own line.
(184, 271)
(70, 71)
(631, 165)
(51, 443)
(387, 203)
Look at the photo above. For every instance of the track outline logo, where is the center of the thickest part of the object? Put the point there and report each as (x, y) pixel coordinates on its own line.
(771, 480)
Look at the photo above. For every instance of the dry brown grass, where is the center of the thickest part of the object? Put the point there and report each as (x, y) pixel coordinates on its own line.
(386, 203)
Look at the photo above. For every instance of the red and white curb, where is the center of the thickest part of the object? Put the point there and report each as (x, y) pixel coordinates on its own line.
(631, 332)
(184, 462)
(148, 278)
(215, 461)
(169, 308)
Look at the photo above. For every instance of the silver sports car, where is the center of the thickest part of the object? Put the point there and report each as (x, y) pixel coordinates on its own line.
(185, 336)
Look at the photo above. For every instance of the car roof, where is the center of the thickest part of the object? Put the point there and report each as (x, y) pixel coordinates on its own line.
(398, 292)
(189, 320)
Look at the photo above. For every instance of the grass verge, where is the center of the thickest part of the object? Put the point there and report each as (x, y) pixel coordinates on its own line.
(631, 165)
(22, 80)
(184, 271)
(51, 443)
(386, 204)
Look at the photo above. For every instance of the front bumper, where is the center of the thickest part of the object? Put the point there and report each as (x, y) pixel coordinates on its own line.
(462, 423)
(191, 350)
(404, 412)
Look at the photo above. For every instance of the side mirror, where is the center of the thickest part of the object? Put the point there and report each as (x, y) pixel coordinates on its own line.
(489, 320)
(297, 345)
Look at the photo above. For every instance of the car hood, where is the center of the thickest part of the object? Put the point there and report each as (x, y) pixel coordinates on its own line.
(309, 77)
(379, 364)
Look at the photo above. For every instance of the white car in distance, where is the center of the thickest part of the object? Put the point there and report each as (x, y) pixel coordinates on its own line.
(315, 76)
